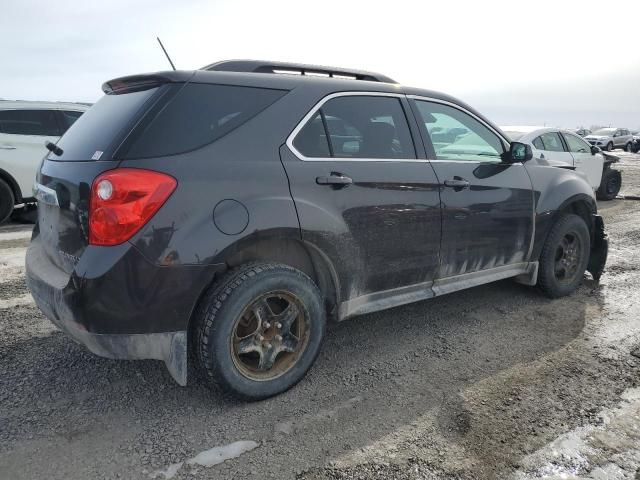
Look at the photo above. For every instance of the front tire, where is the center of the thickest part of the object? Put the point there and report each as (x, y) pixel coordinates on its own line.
(259, 330)
(609, 185)
(609, 146)
(564, 257)
(627, 147)
(7, 201)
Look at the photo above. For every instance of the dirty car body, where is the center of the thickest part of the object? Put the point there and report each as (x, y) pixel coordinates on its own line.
(372, 228)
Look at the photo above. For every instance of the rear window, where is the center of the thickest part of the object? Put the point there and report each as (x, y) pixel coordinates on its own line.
(29, 122)
(104, 124)
(198, 115)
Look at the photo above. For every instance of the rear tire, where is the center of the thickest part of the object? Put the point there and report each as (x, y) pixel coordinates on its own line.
(609, 185)
(7, 201)
(609, 146)
(564, 257)
(259, 330)
(627, 147)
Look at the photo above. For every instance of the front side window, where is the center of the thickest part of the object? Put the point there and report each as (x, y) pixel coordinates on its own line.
(29, 122)
(456, 135)
(576, 144)
(357, 126)
(552, 142)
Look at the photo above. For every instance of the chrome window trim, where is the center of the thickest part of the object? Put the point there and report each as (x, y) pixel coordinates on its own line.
(319, 105)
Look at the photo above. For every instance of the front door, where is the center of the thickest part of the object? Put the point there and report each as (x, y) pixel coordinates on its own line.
(365, 199)
(487, 205)
(585, 162)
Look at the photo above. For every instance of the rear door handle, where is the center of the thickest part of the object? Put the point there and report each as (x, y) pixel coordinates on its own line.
(336, 179)
(7, 147)
(457, 183)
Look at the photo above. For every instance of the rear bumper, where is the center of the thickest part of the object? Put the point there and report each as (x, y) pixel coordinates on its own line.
(118, 304)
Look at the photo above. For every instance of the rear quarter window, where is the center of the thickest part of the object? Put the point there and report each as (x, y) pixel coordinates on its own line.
(197, 115)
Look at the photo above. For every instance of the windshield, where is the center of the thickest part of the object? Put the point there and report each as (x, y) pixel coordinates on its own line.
(604, 131)
(515, 136)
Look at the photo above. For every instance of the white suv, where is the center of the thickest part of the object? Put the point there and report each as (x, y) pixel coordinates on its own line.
(24, 128)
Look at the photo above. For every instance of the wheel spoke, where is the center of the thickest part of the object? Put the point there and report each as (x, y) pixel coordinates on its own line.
(262, 311)
(268, 357)
(248, 345)
(289, 344)
(287, 317)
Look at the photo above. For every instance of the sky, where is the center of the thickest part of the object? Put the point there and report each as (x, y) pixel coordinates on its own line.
(556, 63)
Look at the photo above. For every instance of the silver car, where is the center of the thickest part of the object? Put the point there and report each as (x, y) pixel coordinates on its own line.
(610, 138)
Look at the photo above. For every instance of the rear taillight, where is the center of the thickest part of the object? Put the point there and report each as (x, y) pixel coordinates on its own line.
(123, 200)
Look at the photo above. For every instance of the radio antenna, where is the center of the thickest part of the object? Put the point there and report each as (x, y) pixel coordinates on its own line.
(165, 52)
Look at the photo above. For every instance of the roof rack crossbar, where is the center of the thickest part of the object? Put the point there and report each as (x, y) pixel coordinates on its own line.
(258, 66)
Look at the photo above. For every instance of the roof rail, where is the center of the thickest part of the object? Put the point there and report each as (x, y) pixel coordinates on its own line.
(259, 66)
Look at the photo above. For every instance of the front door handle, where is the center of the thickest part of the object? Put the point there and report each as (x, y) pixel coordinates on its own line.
(335, 179)
(7, 147)
(457, 183)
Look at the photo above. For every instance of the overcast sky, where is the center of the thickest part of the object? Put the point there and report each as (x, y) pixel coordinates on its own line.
(519, 62)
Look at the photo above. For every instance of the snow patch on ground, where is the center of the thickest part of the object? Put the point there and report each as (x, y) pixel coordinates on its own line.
(209, 458)
(17, 235)
(607, 451)
(218, 455)
(25, 299)
(12, 257)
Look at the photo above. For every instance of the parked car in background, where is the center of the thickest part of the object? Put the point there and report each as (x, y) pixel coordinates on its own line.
(610, 138)
(564, 149)
(231, 211)
(635, 146)
(24, 129)
(583, 132)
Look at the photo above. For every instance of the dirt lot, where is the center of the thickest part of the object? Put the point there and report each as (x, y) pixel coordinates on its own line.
(493, 382)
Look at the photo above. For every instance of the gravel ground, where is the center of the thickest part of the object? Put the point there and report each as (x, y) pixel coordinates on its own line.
(492, 382)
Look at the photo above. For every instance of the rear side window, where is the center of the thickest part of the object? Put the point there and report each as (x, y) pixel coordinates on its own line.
(357, 126)
(538, 143)
(198, 115)
(29, 122)
(101, 127)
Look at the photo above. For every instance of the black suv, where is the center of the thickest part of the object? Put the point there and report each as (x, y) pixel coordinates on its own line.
(225, 214)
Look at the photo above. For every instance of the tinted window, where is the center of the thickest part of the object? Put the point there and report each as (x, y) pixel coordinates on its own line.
(69, 117)
(538, 143)
(102, 126)
(198, 115)
(552, 142)
(312, 140)
(368, 127)
(576, 144)
(455, 135)
(29, 122)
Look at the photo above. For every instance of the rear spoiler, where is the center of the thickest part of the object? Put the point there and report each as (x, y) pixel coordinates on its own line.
(143, 82)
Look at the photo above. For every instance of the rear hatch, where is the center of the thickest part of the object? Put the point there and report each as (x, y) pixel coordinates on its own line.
(89, 147)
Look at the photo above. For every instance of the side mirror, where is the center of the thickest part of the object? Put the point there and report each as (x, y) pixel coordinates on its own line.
(519, 152)
(595, 150)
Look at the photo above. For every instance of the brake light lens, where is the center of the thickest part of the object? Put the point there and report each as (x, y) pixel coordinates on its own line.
(123, 200)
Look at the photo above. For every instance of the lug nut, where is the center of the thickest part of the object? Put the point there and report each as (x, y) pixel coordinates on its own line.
(268, 345)
(260, 338)
(278, 325)
(266, 325)
(278, 338)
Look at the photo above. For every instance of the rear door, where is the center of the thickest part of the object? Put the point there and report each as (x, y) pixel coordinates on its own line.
(364, 197)
(23, 134)
(487, 205)
(584, 161)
